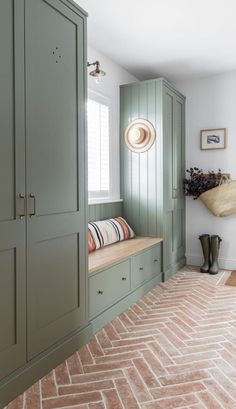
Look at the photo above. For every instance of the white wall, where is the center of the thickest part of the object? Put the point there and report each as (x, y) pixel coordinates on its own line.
(211, 103)
(109, 87)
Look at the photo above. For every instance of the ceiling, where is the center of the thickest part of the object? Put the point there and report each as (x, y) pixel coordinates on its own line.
(176, 39)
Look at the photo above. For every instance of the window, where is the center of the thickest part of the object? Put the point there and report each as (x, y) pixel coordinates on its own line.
(98, 147)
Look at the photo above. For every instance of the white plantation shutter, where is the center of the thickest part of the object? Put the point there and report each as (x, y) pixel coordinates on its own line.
(98, 149)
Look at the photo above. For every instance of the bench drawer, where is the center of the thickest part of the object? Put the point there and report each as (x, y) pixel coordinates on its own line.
(108, 286)
(155, 259)
(145, 265)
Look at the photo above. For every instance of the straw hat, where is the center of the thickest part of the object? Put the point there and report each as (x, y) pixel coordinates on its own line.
(140, 135)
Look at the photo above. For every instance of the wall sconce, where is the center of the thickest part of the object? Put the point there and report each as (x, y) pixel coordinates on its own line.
(97, 73)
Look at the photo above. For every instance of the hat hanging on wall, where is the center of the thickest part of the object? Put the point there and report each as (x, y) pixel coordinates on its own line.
(140, 135)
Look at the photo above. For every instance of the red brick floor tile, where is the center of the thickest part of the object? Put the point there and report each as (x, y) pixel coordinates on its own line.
(95, 348)
(209, 401)
(85, 387)
(74, 365)
(125, 348)
(146, 374)
(71, 400)
(97, 376)
(112, 400)
(172, 403)
(126, 395)
(62, 374)
(103, 339)
(175, 369)
(175, 390)
(85, 355)
(32, 398)
(48, 386)
(139, 388)
(96, 405)
(183, 377)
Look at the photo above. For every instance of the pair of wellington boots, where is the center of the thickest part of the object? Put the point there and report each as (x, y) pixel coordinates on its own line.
(210, 248)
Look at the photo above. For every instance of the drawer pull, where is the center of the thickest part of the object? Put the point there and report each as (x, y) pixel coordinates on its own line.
(124, 278)
(155, 260)
(100, 292)
(141, 268)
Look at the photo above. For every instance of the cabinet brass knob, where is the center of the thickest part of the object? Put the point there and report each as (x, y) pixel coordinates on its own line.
(155, 260)
(124, 278)
(100, 292)
(141, 268)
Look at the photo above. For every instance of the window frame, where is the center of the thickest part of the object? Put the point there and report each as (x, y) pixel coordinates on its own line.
(99, 196)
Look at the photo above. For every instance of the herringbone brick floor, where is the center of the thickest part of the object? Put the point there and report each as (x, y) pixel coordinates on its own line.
(175, 348)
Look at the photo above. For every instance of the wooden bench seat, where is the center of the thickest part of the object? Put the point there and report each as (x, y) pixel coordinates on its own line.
(106, 256)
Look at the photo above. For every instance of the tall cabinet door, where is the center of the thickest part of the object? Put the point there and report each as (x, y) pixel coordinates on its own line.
(178, 177)
(168, 204)
(174, 168)
(55, 155)
(12, 192)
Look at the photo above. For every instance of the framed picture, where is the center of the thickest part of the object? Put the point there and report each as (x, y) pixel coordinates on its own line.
(213, 138)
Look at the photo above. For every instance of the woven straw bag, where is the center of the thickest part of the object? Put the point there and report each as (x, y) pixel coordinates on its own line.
(221, 200)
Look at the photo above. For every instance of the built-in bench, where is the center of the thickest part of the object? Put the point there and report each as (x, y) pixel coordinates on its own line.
(120, 274)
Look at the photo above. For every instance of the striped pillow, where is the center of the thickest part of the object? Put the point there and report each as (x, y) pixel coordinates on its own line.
(105, 232)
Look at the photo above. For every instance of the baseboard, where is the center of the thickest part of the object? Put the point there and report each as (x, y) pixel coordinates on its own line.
(116, 309)
(224, 263)
(174, 268)
(23, 378)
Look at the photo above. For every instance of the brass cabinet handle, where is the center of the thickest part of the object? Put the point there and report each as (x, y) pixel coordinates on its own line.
(22, 197)
(100, 292)
(141, 268)
(34, 198)
(124, 278)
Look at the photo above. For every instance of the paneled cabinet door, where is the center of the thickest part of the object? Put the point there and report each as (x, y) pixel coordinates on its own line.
(178, 177)
(12, 186)
(168, 173)
(55, 151)
(174, 209)
(178, 147)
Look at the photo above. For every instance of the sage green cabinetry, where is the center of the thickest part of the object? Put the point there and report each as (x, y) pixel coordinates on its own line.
(55, 149)
(12, 182)
(106, 287)
(145, 265)
(173, 175)
(43, 216)
(151, 182)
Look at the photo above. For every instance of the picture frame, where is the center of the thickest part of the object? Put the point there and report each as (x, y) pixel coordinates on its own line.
(213, 139)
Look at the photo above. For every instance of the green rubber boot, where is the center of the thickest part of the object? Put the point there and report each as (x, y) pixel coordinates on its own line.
(215, 246)
(205, 242)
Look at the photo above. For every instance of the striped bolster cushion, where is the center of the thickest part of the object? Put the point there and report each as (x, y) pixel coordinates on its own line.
(105, 232)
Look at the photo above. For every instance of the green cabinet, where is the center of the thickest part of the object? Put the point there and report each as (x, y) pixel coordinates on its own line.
(174, 170)
(119, 281)
(43, 216)
(152, 181)
(55, 149)
(145, 265)
(12, 182)
(108, 286)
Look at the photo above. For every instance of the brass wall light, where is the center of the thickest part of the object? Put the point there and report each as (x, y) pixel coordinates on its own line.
(97, 73)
